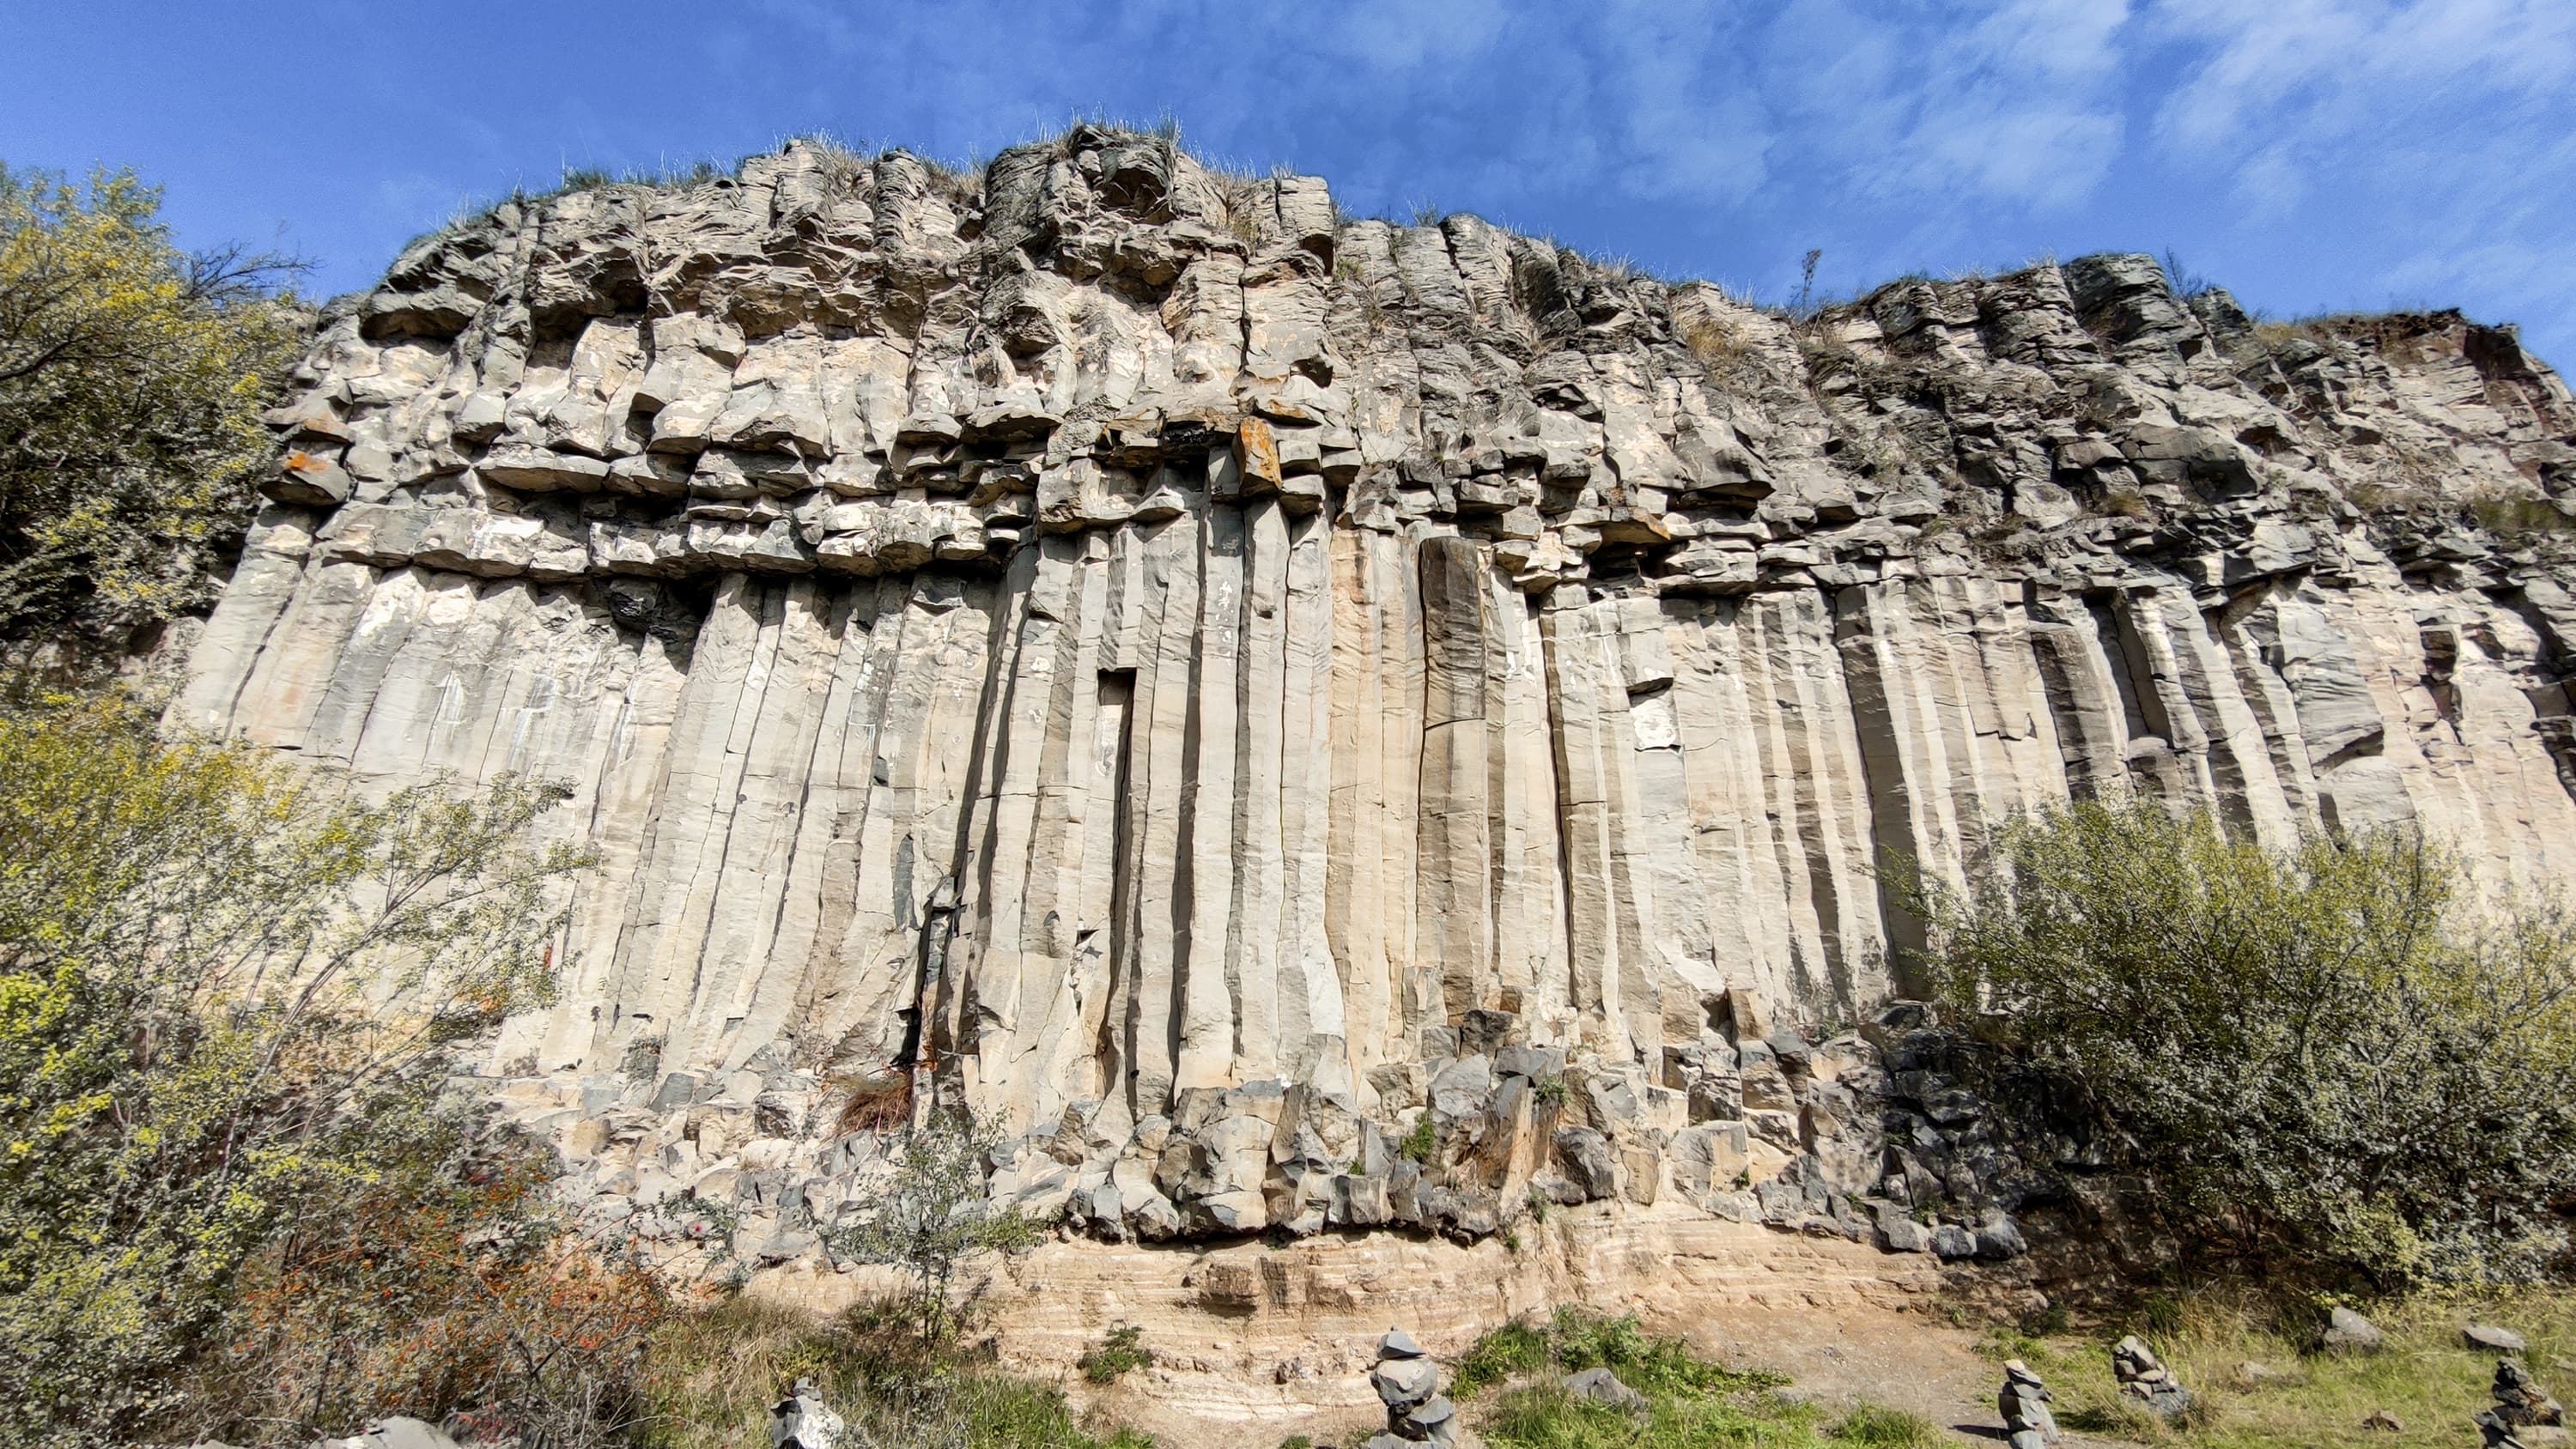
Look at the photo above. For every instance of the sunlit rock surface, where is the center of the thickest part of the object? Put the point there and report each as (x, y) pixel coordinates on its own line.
(1210, 680)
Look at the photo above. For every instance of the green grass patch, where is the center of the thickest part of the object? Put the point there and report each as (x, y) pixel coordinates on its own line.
(1418, 1144)
(1119, 1353)
(1875, 1426)
(1691, 1402)
(2426, 1375)
(1507, 1353)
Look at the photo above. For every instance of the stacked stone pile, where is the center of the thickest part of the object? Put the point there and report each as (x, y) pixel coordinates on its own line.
(2144, 1377)
(2520, 1400)
(2023, 1402)
(803, 1421)
(1210, 683)
(1408, 1384)
(2495, 1433)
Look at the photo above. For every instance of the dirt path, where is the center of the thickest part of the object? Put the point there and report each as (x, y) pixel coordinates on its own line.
(1867, 1353)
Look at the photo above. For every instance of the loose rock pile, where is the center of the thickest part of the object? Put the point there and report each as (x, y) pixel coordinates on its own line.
(2024, 1405)
(1875, 1136)
(2143, 1376)
(1408, 1383)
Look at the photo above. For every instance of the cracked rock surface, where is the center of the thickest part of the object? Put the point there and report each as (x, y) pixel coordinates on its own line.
(1214, 684)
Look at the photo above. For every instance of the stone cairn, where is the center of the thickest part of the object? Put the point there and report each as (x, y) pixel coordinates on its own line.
(2520, 1401)
(1408, 1383)
(2143, 1376)
(2024, 1405)
(2494, 1432)
(803, 1421)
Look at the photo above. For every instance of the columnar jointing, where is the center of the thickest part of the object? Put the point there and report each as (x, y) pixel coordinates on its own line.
(1113, 630)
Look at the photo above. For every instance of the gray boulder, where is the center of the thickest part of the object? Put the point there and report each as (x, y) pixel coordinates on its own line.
(1600, 1386)
(1999, 1237)
(1903, 1235)
(2488, 1338)
(2349, 1332)
(1588, 1164)
(397, 1431)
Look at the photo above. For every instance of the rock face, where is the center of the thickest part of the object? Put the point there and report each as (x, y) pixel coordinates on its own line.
(1216, 685)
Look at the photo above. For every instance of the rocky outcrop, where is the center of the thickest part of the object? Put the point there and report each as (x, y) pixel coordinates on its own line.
(1305, 721)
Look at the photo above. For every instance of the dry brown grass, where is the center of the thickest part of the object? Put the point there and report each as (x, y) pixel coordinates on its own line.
(874, 1103)
(1718, 343)
(2126, 503)
(710, 1378)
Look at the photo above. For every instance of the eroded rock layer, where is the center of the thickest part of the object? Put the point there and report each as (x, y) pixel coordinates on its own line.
(1162, 654)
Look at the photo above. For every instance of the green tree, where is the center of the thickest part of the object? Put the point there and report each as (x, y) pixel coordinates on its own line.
(227, 997)
(934, 1220)
(132, 378)
(2332, 1053)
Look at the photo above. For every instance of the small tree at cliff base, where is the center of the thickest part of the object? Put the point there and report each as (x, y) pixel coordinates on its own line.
(2329, 1054)
(934, 1220)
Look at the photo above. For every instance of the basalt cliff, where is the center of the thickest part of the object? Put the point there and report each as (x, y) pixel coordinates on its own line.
(1307, 722)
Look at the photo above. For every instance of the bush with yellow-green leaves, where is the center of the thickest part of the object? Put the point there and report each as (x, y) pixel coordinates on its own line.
(2333, 1055)
(228, 992)
(132, 378)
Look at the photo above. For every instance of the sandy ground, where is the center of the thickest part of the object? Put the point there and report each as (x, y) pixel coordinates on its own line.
(1253, 1344)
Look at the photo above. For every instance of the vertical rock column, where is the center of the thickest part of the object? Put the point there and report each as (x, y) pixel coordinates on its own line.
(1454, 933)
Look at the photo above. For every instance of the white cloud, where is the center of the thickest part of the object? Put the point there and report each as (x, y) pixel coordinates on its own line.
(2318, 71)
(2431, 135)
(2015, 102)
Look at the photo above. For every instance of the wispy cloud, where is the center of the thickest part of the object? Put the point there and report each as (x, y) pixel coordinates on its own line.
(2307, 152)
(2445, 128)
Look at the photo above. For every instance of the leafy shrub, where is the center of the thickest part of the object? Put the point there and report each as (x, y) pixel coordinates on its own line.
(1121, 1352)
(1422, 1141)
(227, 997)
(2328, 1054)
(132, 376)
(934, 1221)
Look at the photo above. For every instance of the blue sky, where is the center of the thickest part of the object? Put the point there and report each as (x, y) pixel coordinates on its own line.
(2309, 154)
